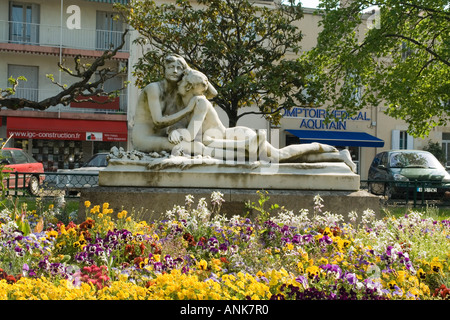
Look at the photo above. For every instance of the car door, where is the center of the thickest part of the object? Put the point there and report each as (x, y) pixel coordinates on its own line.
(20, 164)
(9, 169)
(378, 172)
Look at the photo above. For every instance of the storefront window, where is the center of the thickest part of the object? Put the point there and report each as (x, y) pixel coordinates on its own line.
(103, 146)
(355, 153)
(21, 144)
(58, 154)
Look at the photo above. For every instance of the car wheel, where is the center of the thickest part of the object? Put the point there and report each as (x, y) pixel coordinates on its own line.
(33, 185)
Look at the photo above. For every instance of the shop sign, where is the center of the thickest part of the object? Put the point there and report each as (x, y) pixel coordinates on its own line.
(94, 136)
(48, 135)
(315, 118)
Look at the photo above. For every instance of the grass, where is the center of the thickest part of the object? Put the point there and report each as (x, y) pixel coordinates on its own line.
(41, 204)
(430, 211)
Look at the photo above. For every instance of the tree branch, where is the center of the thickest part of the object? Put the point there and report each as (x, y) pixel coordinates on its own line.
(433, 53)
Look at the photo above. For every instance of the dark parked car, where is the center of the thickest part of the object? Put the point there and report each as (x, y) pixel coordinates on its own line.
(85, 176)
(402, 172)
(16, 160)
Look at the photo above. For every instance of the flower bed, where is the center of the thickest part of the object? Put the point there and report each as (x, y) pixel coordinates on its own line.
(198, 253)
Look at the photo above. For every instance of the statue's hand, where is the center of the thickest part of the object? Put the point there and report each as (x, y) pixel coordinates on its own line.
(193, 102)
(175, 137)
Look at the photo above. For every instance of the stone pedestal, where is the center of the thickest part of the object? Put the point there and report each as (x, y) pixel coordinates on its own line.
(155, 186)
(152, 202)
(209, 173)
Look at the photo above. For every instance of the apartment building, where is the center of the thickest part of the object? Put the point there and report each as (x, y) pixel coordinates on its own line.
(34, 36)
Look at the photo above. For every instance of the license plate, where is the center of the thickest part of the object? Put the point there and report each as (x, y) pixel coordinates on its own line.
(427, 189)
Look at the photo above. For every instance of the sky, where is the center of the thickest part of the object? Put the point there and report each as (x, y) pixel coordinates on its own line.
(309, 3)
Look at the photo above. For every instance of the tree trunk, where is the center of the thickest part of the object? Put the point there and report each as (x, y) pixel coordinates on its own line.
(232, 119)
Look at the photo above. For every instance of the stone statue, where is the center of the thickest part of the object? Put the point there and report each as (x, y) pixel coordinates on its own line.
(151, 119)
(175, 115)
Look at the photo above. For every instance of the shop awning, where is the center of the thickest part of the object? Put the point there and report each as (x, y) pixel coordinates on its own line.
(66, 129)
(338, 138)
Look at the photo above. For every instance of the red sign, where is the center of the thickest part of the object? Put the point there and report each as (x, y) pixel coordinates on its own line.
(66, 129)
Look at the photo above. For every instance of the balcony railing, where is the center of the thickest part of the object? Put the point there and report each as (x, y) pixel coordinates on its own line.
(57, 36)
(118, 105)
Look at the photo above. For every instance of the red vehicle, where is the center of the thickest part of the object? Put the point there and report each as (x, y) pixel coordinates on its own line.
(16, 160)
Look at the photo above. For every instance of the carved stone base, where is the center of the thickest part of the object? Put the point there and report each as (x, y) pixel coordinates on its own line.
(177, 172)
(151, 203)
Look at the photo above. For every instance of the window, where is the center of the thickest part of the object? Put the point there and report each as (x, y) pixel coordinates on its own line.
(19, 157)
(384, 160)
(24, 23)
(376, 160)
(446, 147)
(406, 51)
(6, 155)
(402, 140)
(109, 30)
(26, 89)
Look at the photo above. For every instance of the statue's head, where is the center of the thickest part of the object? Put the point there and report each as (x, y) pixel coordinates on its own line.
(198, 82)
(174, 66)
(194, 81)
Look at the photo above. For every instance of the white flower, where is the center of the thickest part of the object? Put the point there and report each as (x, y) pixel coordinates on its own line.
(368, 216)
(234, 221)
(189, 199)
(352, 216)
(217, 198)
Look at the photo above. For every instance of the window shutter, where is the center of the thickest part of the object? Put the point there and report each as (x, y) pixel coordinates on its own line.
(410, 142)
(395, 140)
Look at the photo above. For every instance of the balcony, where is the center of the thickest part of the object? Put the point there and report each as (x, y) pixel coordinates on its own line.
(116, 105)
(60, 37)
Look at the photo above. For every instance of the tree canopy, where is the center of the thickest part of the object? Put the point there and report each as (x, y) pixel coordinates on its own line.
(391, 53)
(241, 46)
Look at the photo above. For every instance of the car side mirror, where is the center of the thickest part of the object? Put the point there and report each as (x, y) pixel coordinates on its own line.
(5, 161)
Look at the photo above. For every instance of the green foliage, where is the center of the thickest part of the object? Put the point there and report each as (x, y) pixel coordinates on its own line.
(436, 149)
(263, 215)
(242, 48)
(396, 55)
(13, 83)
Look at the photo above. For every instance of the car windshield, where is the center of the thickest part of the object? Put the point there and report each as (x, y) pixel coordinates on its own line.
(97, 161)
(414, 160)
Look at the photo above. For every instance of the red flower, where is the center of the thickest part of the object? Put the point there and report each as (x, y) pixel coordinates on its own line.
(224, 260)
(87, 269)
(156, 250)
(142, 247)
(137, 261)
(10, 279)
(3, 274)
(442, 291)
(129, 251)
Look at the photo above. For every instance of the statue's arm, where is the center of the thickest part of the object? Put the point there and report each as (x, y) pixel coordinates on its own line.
(155, 108)
(200, 105)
